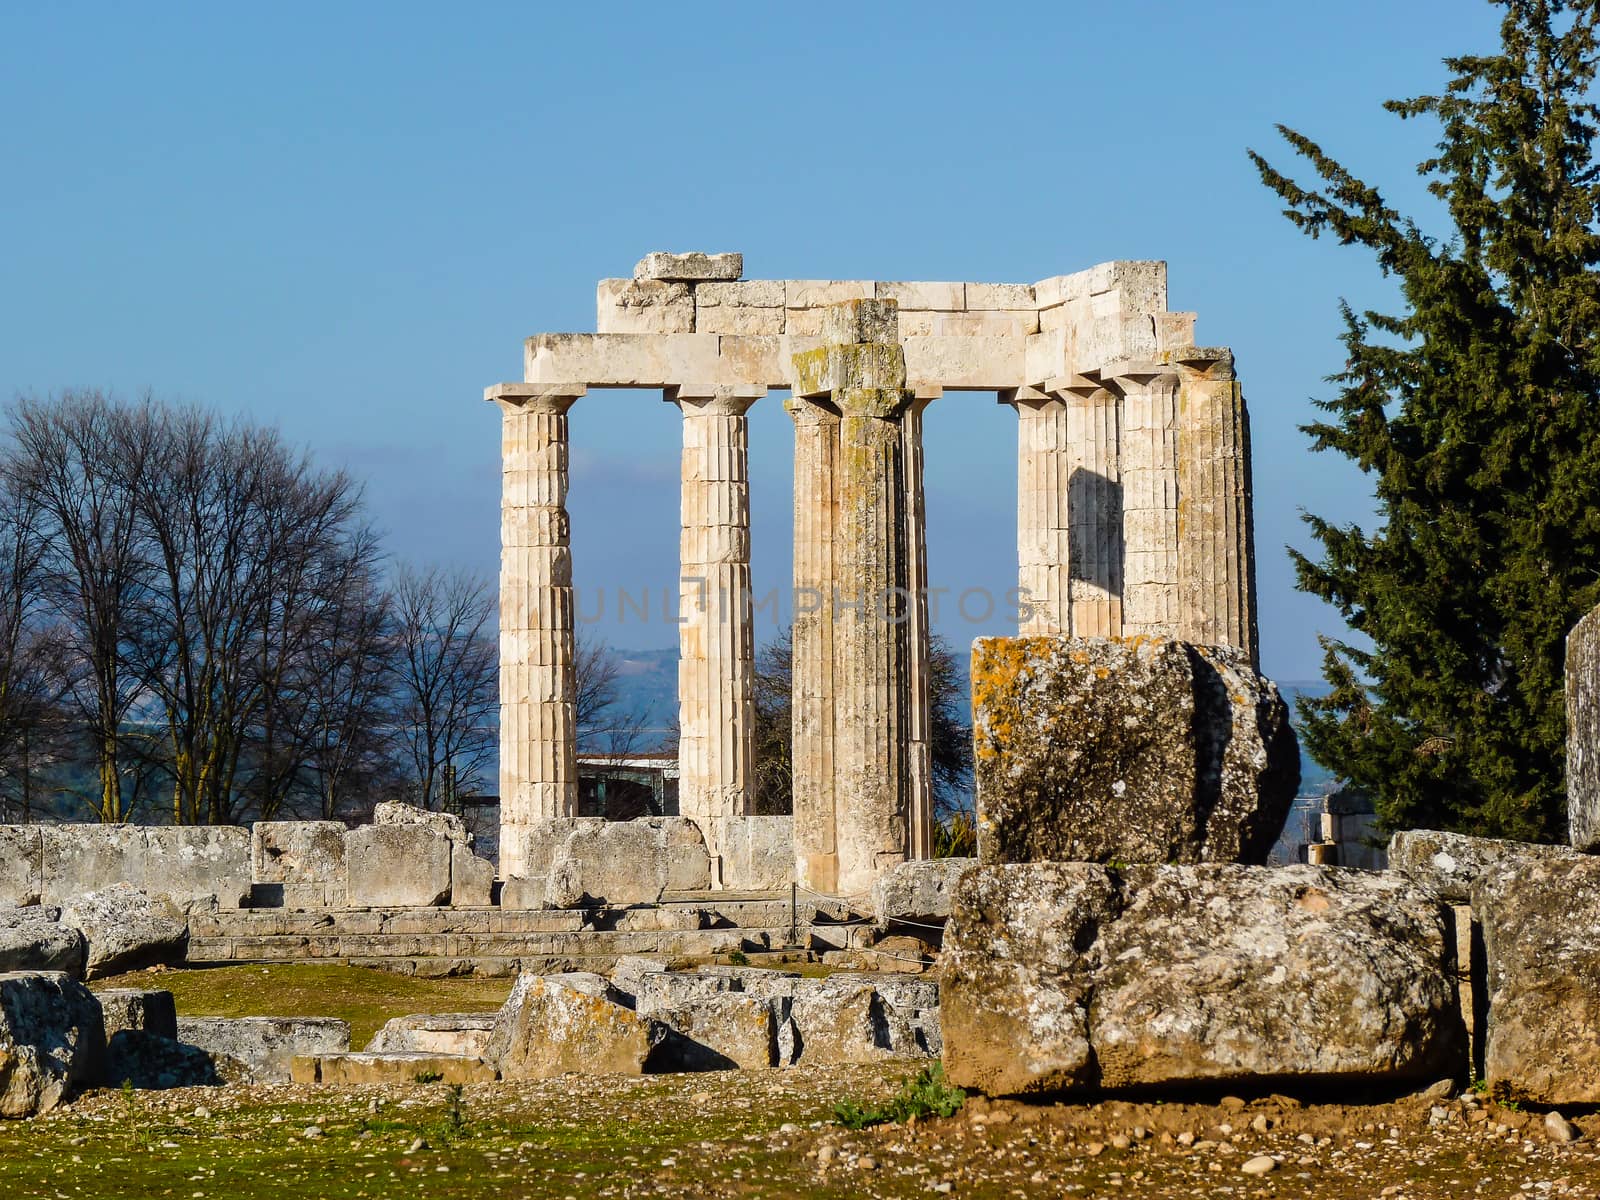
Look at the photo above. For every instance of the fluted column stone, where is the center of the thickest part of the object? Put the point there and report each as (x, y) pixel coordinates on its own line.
(1043, 472)
(1149, 469)
(538, 743)
(919, 676)
(1094, 510)
(716, 642)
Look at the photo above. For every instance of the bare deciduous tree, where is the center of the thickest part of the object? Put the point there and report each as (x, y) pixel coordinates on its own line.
(446, 672)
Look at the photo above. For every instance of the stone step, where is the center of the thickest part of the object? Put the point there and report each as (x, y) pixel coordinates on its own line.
(397, 1067)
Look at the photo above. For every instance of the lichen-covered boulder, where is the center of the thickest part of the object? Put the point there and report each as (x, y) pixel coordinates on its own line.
(1448, 864)
(1134, 750)
(722, 1031)
(21, 864)
(397, 865)
(51, 1041)
(548, 1028)
(1069, 976)
(303, 860)
(1583, 733)
(34, 939)
(144, 1010)
(846, 1020)
(126, 929)
(1541, 941)
(264, 1047)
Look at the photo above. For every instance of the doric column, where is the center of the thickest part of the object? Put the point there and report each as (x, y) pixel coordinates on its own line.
(816, 450)
(1043, 472)
(1094, 510)
(716, 644)
(1149, 462)
(538, 746)
(919, 761)
(861, 369)
(1216, 543)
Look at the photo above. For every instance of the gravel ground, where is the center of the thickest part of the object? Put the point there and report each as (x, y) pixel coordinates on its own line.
(770, 1133)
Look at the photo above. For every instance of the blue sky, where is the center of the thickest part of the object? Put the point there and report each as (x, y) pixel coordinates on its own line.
(344, 219)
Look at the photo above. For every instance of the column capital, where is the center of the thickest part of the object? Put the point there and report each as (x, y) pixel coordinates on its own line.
(811, 412)
(535, 397)
(707, 398)
(1137, 374)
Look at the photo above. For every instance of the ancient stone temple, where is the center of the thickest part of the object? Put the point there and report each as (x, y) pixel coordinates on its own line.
(1133, 517)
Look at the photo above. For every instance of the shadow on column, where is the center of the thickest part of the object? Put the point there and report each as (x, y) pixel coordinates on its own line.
(1094, 505)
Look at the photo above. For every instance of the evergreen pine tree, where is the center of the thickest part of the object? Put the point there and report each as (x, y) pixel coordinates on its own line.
(1476, 413)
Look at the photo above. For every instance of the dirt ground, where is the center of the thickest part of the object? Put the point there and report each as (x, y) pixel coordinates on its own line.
(771, 1134)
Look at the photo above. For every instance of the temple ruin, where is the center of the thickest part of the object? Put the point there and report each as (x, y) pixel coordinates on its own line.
(1133, 519)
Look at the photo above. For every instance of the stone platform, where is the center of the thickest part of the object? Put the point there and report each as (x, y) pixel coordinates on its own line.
(496, 941)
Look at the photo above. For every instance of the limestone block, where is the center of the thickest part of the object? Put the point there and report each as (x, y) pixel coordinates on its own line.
(397, 866)
(752, 293)
(392, 1067)
(918, 891)
(1061, 289)
(148, 1011)
(1448, 864)
(446, 825)
(643, 306)
(464, 1034)
(1539, 918)
(1174, 330)
(306, 857)
(34, 939)
(847, 1021)
(51, 1041)
(197, 864)
(984, 364)
(629, 971)
(471, 878)
(266, 1046)
(943, 297)
(1135, 750)
(1583, 733)
(819, 293)
(689, 268)
(524, 892)
(1069, 976)
(624, 359)
(658, 991)
(125, 929)
(721, 1031)
(629, 862)
(741, 321)
(1020, 323)
(21, 865)
(547, 1028)
(85, 858)
(1001, 296)
(757, 853)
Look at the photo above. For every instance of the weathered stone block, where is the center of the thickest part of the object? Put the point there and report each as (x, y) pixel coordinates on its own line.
(125, 928)
(148, 1011)
(1539, 920)
(660, 991)
(306, 857)
(724, 1031)
(918, 892)
(847, 1021)
(752, 293)
(1448, 864)
(266, 1046)
(471, 878)
(33, 939)
(21, 865)
(643, 306)
(464, 1034)
(689, 268)
(397, 866)
(744, 322)
(547, 1028)
(197, 864)
(820, 293)
(51, 1041)
(1583, 733)
(86, 858)
(757, 852)
(628, 862)
(944, 297)
(397, 1067)
(151, 1061)
(1064, 976)
(446, 825)
(1136, 750)
(1001, 296)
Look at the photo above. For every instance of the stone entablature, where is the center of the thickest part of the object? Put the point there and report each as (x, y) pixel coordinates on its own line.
(1133, 515)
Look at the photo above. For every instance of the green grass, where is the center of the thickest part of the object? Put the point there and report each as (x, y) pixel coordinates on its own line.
(364, 997)
(925, 1095)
